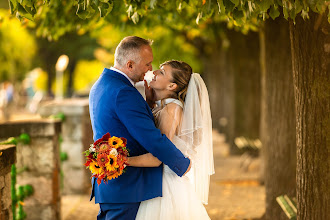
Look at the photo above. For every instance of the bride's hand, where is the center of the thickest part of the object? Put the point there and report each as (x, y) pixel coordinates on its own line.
(150, 94)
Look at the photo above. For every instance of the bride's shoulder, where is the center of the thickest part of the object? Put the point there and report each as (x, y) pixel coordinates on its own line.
(173, 108)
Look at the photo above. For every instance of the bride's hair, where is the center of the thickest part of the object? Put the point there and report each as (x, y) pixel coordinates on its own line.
(181, 75)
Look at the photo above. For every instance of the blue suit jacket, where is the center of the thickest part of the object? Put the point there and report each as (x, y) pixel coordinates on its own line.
(118, 108)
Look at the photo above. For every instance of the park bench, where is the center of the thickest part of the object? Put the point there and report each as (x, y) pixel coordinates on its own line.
(288, 205)
(251, 149)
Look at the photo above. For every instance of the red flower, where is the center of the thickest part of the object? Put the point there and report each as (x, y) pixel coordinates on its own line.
(87, 163)
(89, 159)
(104, 138)
(124, 140)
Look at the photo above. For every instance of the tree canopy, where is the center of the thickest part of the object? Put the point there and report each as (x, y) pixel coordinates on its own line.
(54, 18)
(17, 48)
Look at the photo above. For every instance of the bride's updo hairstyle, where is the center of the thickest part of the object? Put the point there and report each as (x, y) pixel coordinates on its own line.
(181, 73)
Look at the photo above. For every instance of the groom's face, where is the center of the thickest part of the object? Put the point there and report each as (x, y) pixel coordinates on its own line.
(145, 63)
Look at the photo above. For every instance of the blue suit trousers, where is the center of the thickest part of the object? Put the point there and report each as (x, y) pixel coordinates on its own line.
(118, 211)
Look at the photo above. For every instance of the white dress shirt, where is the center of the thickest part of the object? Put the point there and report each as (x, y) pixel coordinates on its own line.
(122, 73)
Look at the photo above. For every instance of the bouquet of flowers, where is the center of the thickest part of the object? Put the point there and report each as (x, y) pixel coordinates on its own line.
(107, 157)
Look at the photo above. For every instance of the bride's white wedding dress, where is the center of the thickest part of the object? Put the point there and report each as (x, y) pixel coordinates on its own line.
(179, 201)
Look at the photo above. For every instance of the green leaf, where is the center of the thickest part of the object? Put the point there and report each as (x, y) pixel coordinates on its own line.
(153, 4)
(59, 115)
(229, 6)
(236, 2)
(285, 13)
(22, 12)
(298, 6)
(238, 15)
(24, 138)
(28, 190)
(130, 10)
(12, 6)
(105, 9)
(31, 10)
(274, 12)
(27, 3)
(10, 140)
(83, 14)
(293, 14)
(64, 156)
(221, 7)
(135, 18)
(264, 5)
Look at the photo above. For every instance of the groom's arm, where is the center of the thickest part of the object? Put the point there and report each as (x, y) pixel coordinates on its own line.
(132, 111)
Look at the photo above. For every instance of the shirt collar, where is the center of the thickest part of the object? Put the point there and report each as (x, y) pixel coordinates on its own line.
(118, 71)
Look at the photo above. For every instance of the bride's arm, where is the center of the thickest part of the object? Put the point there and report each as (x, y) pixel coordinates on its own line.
(144, 160)
(169, 121)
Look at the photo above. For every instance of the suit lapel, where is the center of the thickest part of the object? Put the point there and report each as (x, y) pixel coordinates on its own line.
(126, 81)
(117, 75)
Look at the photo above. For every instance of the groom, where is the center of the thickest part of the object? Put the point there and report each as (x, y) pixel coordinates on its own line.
(118, 108)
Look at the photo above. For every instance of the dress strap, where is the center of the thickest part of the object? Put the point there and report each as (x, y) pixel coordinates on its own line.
(170, 100)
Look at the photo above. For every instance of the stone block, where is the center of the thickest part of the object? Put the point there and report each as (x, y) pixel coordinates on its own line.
(38, 156)
(41, 158)
(67, 106)
(6, 192)
(77, 135)
(35, 128)
(42, 186)
(7, 158)
(2, 182)
(40, 213)
(75, 156)
(72, 129)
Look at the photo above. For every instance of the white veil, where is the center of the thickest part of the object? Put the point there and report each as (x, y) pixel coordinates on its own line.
(196, 131)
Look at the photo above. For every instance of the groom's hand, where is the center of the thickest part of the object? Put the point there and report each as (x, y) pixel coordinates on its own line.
(189, 167)
(150, 94)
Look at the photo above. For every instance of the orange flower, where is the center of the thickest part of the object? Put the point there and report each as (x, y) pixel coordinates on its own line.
(102, 159)
(103, 148)
(115, 142)
(114, 174)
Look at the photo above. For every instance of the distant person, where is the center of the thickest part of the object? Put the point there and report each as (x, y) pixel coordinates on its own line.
(183, 114)
(118, 108)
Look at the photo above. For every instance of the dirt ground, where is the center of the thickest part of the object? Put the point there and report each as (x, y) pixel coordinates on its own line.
(235, 190)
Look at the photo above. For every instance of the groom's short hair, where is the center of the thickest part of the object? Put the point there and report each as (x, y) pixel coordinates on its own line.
(129, 48)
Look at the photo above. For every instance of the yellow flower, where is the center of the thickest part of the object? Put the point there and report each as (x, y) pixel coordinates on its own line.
(115, 142)
(95, 168)
(112, 165)
(114, 174)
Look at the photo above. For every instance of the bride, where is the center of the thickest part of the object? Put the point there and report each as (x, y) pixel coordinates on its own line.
(182, 113)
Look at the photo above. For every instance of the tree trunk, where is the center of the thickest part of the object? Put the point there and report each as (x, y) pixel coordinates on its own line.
(70, 88)
(278, 117)
(218, 84)
(310, 52)
(243, 65)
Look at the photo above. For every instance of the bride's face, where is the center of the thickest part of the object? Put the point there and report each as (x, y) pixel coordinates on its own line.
(162, 79)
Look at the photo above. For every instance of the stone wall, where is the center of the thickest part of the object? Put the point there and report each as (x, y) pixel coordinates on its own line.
(7, 158)
(77, 136)
(41, 161)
